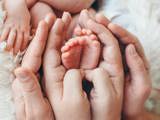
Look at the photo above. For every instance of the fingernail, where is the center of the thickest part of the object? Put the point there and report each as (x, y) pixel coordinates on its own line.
(132, 50)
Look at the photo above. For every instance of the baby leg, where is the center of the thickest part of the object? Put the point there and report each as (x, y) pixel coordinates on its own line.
(38, 13)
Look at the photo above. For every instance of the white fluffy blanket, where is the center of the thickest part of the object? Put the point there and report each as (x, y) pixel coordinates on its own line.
(142, 18)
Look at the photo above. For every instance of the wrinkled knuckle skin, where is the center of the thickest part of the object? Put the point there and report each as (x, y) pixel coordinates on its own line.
(139, 62)
(146, 91)
(99, 70)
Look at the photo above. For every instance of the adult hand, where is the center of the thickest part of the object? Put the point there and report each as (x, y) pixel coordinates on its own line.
(138, 83)
(63, 88)
(29, 101)
(107, 94)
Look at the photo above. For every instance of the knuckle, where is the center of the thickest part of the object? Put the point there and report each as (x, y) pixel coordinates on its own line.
(29, 87)
(146, 90)
(75, 102)
(139, 63)
(99, 71)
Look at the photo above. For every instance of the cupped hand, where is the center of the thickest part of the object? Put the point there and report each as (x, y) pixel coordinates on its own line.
(29, 100)
(63, 88)
(107, 79)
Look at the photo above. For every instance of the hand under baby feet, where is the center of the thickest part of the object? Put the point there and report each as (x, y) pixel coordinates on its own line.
(82, 51)
(16, 26)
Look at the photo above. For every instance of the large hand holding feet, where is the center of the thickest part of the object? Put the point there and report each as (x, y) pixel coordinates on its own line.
(30, 102)
(108, 79)
(137, 83)
(63, 88)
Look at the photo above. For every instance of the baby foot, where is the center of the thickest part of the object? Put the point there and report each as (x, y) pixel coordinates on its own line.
(71, 52)
(17, 25)
(81, 52)
(91, 51)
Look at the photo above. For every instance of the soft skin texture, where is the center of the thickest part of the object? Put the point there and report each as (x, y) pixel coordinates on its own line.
(100, 77)
(72, 6)
(109, 97)
(26, 89)
(16, 26)
(58, 82)
(82, 51)
(138, 82)
(138, 74)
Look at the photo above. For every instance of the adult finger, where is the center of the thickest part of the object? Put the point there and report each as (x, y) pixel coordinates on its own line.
(100, 18)
(112, 61)
(50, 19)
(66, 18)
(53, 71)
(18, 100)
(139, 74)
(36, 47)
(31, 90)
(127, 38)
(101, 82)
(73, 84)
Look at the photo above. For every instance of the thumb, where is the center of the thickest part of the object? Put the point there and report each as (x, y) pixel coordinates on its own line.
(30, 88)
(139, 74)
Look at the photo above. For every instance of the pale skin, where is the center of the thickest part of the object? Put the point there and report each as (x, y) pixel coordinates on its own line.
(58, 80)
(138, 75)
(16, 26)
(139, 71)
(26, 89)
(82, 51)
(20, 13)
(101, 101)
(54, 50)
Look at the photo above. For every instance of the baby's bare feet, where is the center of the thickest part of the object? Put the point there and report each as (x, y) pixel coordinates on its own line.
(72, 51)
(91, 51)
(82, 51)
(17, 25)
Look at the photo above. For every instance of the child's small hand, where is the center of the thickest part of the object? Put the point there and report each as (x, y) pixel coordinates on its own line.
(16, 29)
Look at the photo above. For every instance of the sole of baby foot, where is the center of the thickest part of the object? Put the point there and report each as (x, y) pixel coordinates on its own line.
(71, 52)
(91, 53)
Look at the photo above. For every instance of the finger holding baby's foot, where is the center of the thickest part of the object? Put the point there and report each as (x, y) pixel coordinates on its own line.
(16, 26)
